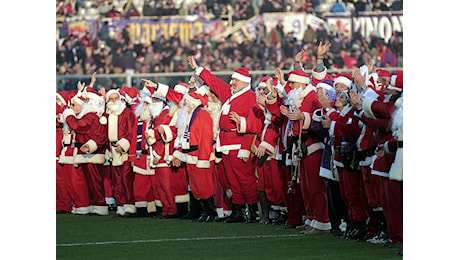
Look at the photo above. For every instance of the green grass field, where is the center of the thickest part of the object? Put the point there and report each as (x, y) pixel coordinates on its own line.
(104, 237)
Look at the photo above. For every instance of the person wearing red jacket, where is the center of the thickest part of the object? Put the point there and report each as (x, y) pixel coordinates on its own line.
(239, 169)
(121, 121)
(75, 180)
(90, 127)
(304, 146)
(63, 199)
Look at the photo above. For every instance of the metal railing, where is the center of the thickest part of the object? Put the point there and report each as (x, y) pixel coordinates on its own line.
(68, 82)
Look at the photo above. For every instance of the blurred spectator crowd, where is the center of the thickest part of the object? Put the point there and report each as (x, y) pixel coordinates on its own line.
(112, 52)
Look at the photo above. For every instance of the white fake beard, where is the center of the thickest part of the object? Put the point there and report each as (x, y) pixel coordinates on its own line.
(183, 119)
(115, 107)
(143, 112)
(294, 96)
(156, 108)
(397, 123)
(91, 106)
(214, 110)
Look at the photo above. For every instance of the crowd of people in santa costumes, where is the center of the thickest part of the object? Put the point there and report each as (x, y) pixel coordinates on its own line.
(318, 152)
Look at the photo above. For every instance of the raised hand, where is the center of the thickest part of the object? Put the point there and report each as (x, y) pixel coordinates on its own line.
(93, 80)
(359, 78)
(323, 49)
(280, 75)
(299, 57)
(149, 83)
(191, 62)
(102, 91)
(323, 99)
(80, 86)
(356, 100)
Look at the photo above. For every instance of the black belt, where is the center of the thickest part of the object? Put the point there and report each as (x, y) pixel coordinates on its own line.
(114, 143)
(145, 151)
(191, 149)
(305, 137)
(65, 145)
(400, 144)
(78, 145)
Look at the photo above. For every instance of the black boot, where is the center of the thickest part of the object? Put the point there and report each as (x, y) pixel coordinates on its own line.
(211, 209)
(237, 214)
(194, 212)
(253, 213)
(265, 207)
(182, 209)
(158, 215)
(140, 213)
(203, 211)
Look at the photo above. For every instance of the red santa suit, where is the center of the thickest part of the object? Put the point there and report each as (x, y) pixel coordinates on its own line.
(162, 150)
(90, 129)
(312, 185)
(76, 183)
(240, 175)
(140, 154)
(345, 130)
(63, 200)
(391, 193)
(120, 133)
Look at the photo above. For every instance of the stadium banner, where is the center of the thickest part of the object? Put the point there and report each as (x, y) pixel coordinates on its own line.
(382, 24)
(148, 30)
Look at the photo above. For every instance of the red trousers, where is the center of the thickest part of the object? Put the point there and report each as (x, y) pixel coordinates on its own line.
(108, 184)
(144, 186)
(77, 186)
(241, 177)
(392, 202)
(123, 184)
(270, 180)
(164, 190)
(202, 181)
(353, 194)
(179, 184)
(314, 189)
(371, 186)
(294, 201)
(93, 176)
(221, 198)
(63, 199)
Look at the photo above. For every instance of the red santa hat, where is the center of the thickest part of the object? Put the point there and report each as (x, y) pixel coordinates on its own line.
(90, 93)
(181, 87)
(344, 78)
(383, 73)
(299, 76)
(77, 98)
(196, 99)
(396, 81)
(110, 92)
(242, 74)
(263, 82)
(129, 93)
(148, 90)
(64, 97)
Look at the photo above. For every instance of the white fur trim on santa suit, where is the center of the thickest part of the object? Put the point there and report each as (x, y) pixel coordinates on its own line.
(110, 92)
(241, 77)
(319, 75)
(88, 158)
(396, 170)
(268, 146)
(179, 155)
(242, 126)
(151, 136)
(202, 90)
(168, 134)
(120, 210)
(270, 101)
(198, 70)
(81, 210)
(140, 204)
(343, 80)
(162, 90)
(320, 225)
(297, 78)
(156, 155)
(67, 112)
(61, 98)
(129, 208)
(92, 146)
(306, 121)
(124, 144)
(180, 89)
(367, 108)
(326, 173)
(242, 153)
(181, 198)
(203, 164)
(118, 158)
(100, 210)
(158, 203)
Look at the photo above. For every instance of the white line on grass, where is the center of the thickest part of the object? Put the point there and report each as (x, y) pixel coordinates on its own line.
(172, 240)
